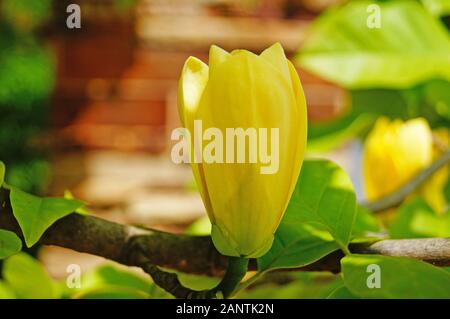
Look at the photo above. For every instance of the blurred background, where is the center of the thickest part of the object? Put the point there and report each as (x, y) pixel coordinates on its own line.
(88, 112)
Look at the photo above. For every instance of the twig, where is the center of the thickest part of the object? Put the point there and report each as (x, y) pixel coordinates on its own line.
(394, 199)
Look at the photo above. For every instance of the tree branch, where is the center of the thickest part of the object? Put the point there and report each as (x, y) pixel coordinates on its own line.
(147, 248)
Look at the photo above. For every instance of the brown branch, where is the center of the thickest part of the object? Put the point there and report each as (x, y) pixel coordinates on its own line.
(435, 251)
(148, 248)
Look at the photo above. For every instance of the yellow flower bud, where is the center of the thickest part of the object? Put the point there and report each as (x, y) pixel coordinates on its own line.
(245, 201)
(394, 152)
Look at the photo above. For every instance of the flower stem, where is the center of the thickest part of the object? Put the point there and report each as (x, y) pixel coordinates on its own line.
(236, 270)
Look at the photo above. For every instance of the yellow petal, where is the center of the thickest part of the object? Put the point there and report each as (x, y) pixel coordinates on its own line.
(248, 92)
(190, 88)
(193, 80)
(275, 56)
(217, 56)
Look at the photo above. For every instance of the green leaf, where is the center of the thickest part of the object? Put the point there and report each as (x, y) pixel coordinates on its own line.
(292, 285)
(108, 274)
(394, 103)
(2, 173)
(323, 137)
(10, 244)
(200, 227)
(108, 281)
(5, 291)
(411, 46)
(437, 95)
(35, 214)
(324, 196)
(416, 219)
(296, 244)
(82, 210)
(400, 277)
(342, 292)
(437, 7)
(27, 278)
(318, 219)
(366, 225)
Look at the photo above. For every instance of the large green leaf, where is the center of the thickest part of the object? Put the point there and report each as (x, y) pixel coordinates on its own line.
(411, 46)
(324, 196)
(341, 292)
(323, 137)
(437, 96)
(318, 219)
(293, 285)
(399, 277)
(296, 244)
(27, 278)
(35, 214)
(10, 244)
(5, 291)
(416, 219)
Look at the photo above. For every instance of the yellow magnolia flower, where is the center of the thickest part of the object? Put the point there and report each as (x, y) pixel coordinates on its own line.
(393, 153)
(242, 90)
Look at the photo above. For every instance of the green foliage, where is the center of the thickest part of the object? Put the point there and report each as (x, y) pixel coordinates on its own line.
(340, 47)
(31, 175)
(400, 277)
(436, 95)
(318, 220)
(35, 214)
(366, 225)
(201, 227)
(416, 219)
(10, 244)
(111, 282)
(296, 245)
(323, 137)
(27, 278)
(26, 77)
(6, 292)
(26, 15)
(292, 285)
(82, 210)
(341, 292)
(400, 70)
(26, 82)
(324, 196)
(437, 7)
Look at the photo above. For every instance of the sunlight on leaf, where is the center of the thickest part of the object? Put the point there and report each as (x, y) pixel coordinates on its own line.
(399, 277)
(341, 48)
(35, 214)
